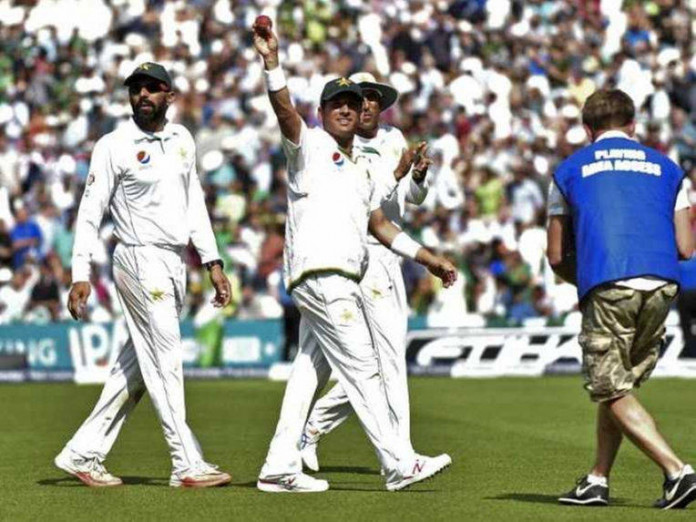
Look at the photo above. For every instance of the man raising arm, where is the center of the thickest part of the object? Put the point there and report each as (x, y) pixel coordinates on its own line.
(399, 174)
(330, 198)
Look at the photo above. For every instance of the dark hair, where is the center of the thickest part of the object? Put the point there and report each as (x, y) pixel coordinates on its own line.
(608, 109)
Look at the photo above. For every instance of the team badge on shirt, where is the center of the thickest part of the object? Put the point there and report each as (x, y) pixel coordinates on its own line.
(338, 159)
(143, 157)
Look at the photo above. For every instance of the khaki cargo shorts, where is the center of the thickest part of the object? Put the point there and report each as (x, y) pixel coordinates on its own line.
(622, 333)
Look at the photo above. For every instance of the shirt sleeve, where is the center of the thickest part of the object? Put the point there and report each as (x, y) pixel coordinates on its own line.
(415, 192)
(682, 197)
(557, 205)
(297, 155)
(201, 231)
(101, 182)
(376, 196)
(392, 155)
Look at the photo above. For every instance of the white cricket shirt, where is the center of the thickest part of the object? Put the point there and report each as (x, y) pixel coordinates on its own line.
(150, 184)
(330, 198)
(384, 152)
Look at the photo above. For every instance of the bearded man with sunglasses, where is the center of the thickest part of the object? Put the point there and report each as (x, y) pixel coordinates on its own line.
(382, 286)
(145, 173)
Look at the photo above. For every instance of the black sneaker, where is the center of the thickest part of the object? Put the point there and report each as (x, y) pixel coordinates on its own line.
(680, 492)
(586, 494)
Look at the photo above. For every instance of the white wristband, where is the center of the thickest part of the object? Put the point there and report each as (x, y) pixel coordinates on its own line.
(275, 79)
(405, 246)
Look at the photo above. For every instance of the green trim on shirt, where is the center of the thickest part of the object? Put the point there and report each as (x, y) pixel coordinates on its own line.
(321, 271)
(370, 150)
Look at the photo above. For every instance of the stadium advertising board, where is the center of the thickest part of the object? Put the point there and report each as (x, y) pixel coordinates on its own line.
(85, 352)
(496, 352)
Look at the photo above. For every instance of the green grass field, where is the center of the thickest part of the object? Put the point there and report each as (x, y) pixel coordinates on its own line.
(516, 444)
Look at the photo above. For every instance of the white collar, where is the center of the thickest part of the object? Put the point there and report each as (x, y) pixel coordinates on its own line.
(139, 134)
(614, 134)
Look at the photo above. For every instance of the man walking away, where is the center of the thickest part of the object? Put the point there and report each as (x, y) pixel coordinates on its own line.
(618, 226)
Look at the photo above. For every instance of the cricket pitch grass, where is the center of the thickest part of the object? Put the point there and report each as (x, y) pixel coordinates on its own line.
(516, 444)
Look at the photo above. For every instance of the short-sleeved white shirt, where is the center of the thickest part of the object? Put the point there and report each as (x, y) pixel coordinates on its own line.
(330, 198)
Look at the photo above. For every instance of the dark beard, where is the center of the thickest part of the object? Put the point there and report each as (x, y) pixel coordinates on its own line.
(152, 121)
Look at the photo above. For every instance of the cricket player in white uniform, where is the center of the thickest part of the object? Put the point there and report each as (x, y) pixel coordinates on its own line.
(331, 200)
(145, 173)
(382, 286)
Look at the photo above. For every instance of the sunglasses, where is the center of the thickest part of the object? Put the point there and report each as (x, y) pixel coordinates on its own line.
(152, 87)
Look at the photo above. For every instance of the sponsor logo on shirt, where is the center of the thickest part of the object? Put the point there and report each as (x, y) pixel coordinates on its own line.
(143, 157)
(338, 159)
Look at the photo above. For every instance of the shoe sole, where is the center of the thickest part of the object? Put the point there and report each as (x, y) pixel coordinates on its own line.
(683, 501)
(423, 479)
(190, 483)
(596, 501)
(84, 477)
(274, 487)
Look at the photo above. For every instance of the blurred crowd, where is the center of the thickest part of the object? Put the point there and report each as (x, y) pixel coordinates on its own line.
(494, 86)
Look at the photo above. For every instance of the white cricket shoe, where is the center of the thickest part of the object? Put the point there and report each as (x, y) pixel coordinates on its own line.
(203, 476)
(423, 469)
(90, 471)
(296, 483)
(308, 451)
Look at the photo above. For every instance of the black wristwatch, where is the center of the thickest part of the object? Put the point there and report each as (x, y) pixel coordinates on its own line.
(210, 264)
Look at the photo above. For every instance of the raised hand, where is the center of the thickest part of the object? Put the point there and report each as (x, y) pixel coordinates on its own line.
(415, 153)
(421, 162)
(266, 44)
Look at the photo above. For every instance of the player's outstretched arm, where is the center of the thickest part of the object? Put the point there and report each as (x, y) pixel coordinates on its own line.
(266, 44)
(398, 241)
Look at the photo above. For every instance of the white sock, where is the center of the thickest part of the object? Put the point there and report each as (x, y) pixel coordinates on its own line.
(596, 480)
(686, 470)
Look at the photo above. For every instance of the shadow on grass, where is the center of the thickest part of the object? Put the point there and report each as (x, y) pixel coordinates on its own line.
(538, 498)
(535, 498)
(343, 486)
(69, 482)
(360, 470)
(381, 489)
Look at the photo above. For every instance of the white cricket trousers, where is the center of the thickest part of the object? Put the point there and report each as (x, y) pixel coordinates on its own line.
(334, 335)
(150, 283)
(386, 305)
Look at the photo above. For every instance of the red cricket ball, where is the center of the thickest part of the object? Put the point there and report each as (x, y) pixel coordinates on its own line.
(263, 26)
